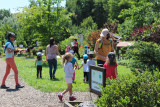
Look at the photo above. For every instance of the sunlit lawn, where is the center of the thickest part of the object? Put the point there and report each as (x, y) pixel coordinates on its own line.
(27, 71)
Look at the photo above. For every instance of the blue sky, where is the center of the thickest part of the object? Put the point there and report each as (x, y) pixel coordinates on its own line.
(14, 4)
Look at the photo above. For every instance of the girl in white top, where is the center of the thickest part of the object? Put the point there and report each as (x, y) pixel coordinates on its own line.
(85, 65)
(67, 58)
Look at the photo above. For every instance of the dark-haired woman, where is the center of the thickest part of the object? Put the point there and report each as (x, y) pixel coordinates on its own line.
(51, 57)
(9, 57)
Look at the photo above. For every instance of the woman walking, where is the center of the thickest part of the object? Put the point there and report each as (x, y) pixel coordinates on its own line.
(9, 57)
(51, 57)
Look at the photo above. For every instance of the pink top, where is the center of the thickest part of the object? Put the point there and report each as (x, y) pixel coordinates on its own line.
(110, 70)
(52, 52)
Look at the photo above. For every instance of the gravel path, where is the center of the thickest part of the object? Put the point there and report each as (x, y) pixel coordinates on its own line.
(29, 97)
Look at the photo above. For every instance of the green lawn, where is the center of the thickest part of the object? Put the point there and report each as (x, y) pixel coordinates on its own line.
(27, 71)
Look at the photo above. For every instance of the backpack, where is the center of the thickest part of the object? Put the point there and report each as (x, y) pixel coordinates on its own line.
(101, 43)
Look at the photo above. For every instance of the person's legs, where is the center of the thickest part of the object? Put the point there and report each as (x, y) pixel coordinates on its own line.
(76, 51)
(87, 74)
(68, 89)
(50, 68)
(73, 78)
(55, 67)
(84, 76)
(14, 67)
(40, 71)
(37, 71)
(8, 68)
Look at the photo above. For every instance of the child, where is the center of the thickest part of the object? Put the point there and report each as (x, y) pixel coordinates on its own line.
(85, 49)
(68, 69)
(38, 64)
(74, 60)
(88, 50)
(67, 49)
(84, 64)
(90, 61)
(111, 66)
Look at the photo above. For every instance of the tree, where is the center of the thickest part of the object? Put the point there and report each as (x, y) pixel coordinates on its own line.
(42, 21)
(4, 13)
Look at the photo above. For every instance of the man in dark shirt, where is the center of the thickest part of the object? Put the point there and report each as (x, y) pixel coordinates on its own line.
(75, 48)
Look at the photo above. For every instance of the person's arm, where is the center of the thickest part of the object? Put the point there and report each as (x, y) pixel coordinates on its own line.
(96, 51)
(80, 67)
(77, 64)
(58, 52)
(46, 53)
(10, 50)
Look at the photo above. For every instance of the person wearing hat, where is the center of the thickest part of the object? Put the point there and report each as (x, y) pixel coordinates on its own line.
(103, 46)
(10, 63)
(84, 65)
(111, 66)
(88, 50)
(38, 64)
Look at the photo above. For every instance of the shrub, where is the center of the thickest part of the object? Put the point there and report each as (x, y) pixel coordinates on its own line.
(22, 42)
(1, 50)
(64, 43)
(40, 49)
(93, 38)
(132, 91)
(145, 55)
(112, 27)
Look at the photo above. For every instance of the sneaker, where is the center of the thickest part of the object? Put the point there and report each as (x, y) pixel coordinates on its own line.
(72, 98)
(53, 77)
(4, 87)
(19, 86)
(60, 97)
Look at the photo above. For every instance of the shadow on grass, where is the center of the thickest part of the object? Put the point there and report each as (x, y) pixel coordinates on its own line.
(11, 90)
(29, 57)
(55, 79)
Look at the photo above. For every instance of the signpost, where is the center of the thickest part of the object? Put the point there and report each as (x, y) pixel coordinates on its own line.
(97, 76)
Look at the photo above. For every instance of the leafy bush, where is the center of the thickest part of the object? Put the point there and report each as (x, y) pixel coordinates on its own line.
(112, 27)
(145, 55)
(1, 50)
(40, 49)
(94, 36)
(22, 42)
(34, 51)
(64, 43)
(132, 91)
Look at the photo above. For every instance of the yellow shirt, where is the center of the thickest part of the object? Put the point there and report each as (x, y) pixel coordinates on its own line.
(106, 48)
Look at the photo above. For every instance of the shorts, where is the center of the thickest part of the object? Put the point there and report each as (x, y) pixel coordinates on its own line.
(68, 80)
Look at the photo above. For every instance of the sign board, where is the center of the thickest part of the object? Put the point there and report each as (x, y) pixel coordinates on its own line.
(97, 79)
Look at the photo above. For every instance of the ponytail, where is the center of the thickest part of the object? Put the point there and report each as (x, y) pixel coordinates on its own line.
(66, 57)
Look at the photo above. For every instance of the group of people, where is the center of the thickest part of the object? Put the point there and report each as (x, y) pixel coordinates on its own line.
(104, 51)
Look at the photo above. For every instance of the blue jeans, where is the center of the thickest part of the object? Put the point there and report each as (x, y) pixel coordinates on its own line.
(52, 63)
